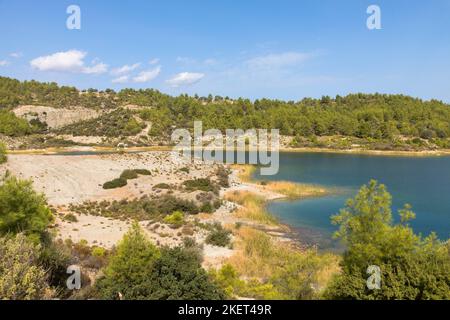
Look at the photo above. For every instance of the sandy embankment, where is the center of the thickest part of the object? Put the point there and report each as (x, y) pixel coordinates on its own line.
(70, 179)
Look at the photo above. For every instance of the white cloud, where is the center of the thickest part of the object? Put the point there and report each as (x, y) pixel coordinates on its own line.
(210, 62)
(16, 54)
(148, 75)
(126, 68)
(122, 79)
(71, 60)
(67, 61)
(98, 68)
(278, 60)
(153, 61)
(185, 60)
(3, 63)
(185, 78)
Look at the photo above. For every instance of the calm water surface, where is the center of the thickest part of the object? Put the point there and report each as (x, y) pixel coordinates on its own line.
(423, 182)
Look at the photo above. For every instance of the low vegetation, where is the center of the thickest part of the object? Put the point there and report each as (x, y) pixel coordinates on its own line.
(116, 183)
(22, 210)
(143, 172)
(144, 208)
(124, 176)
(118, 123)
(175, 220)
(294, 190)
(275, 270)
(412, 267)
(373, 121)
(245, 172)
(162, 186)
(253, 207)
(3, 156)
(129, 175)
(201, 184)
(139, 270)
(219, 236)
(22, 276)
(12, 126)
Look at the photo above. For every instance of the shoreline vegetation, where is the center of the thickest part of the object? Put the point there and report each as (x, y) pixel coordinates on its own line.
(245, 252)
(36, 115)
(204, 230)
(73, 149)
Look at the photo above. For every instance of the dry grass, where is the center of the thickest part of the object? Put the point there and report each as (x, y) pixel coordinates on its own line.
(245, 171)
(262, 257)
(295, 190)
(253, 207)
(288, 189)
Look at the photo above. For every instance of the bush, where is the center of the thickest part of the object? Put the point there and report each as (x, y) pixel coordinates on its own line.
(22, 209)
(219, 236)
(55, 258)
(138, 271)
(116, 183)
(412, 267)
(143, 172)
(207, 208)
(176, 219)
(162, 186)
(202, 184)
(129, 175)
(129, 267)
(118, 123)
(70, 217)
(144, 208)
(185, 169)
(21, 275)
(223, 177)
(178, 275)
(10, 125)
(3, 157)
(99, 252)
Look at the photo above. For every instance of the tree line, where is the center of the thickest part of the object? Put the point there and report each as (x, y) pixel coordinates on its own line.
(374, 116)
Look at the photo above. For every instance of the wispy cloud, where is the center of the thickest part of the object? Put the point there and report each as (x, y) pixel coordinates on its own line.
(68, 61)
(122, 79)
(278, 60)
(185, 60)
(210, 61)
(148, 75)
(153, 61)
(185, 78)
(125, 69)
(16, 55)
(98, 68)
(3, 63)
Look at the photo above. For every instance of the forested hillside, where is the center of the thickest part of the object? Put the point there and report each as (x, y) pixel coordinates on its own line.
(363, 116)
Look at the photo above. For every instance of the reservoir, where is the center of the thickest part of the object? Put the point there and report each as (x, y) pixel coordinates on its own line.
(423, 182)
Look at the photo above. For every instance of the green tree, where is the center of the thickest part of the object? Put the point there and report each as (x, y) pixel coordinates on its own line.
(178, 275)
(138, 271)
(129, 267)
(3, 157)
(22, 209)
(411, 267)
(10, 125)
(21, 275)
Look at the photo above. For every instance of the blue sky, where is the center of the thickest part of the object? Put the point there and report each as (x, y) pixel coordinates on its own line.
(275, 49)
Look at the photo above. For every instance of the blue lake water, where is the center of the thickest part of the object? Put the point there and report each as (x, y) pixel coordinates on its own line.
(423, 182)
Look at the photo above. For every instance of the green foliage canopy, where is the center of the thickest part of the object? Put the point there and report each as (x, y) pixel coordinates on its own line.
(412, 267)
(22, 209)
